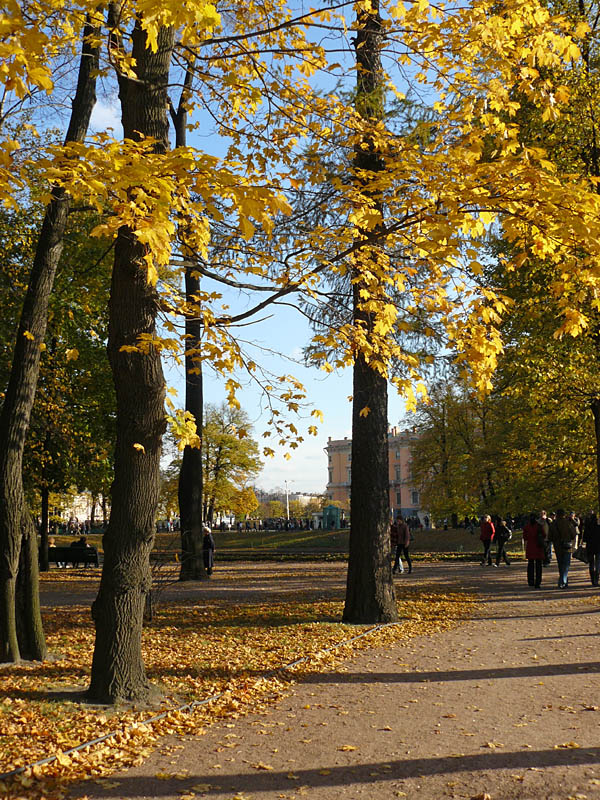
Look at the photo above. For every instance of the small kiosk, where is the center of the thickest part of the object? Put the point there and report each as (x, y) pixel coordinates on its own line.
(332, 516)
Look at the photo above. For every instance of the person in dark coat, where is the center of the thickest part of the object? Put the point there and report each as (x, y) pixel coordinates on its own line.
(591, 539)
(208, 549)
(503, 536)
(404, 541)
(396, 547)
(534, 537)
(562, 533)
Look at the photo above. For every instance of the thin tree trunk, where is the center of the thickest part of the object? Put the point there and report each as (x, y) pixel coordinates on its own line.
(370, 596)
(596, 413)
(190, 474)
(44, 524)
(118, 671)
(21, 633)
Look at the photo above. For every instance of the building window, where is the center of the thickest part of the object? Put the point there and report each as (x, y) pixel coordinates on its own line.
(398, 455)
(349, 457)
(397, 473)
(330, 476)
(399, 499)
(415, 498)
(349, 472)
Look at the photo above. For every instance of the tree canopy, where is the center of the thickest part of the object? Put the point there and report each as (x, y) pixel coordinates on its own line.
(406, 219)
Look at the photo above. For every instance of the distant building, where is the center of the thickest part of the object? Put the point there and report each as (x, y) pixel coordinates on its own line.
(404, 496)
(279, 494)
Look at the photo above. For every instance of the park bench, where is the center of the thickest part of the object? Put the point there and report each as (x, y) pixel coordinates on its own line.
(73, 556)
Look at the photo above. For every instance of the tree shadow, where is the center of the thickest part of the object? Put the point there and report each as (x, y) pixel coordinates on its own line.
(365, 774)
(487, 673)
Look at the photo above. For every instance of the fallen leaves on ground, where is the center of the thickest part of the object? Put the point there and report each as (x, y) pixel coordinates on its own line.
(193, 650)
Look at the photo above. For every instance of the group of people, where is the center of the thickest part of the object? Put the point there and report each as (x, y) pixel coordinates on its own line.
(499, 533)
(543, 534)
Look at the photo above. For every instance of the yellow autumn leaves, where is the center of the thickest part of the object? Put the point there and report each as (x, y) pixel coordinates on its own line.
(193, 650)
(256, 71)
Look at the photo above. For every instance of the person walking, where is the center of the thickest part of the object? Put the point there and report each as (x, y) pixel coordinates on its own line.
(545, 523)
(404, 536)
(208, 549)
(576, 523)
(562, 533)
(535, 550)
(486, 536)
(502, 537)
(591, 539)
(396, 548)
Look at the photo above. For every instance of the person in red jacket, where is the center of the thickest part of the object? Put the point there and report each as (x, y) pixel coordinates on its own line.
(534, 537)
(487, 537)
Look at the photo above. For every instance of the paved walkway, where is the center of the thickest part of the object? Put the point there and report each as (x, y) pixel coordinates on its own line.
(507, 705)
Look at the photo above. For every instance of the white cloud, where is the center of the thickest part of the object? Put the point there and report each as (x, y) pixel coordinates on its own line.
(106, 114)
(306, 470)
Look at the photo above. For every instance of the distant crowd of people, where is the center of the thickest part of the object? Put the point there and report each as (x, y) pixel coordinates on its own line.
(544, 534)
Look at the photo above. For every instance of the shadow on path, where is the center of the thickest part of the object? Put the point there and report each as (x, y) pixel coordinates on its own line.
(365, 773)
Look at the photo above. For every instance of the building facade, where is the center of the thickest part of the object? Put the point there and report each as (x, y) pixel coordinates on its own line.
(404, 495)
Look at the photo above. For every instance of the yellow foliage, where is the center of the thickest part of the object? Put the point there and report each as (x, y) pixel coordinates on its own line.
(194, 652)
(183, 429)
(441, 187)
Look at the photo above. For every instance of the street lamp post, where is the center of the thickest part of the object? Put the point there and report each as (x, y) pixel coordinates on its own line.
(287, 502)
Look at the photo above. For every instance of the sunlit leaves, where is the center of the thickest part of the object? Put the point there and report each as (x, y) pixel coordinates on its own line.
(445, 181)
(194, 651)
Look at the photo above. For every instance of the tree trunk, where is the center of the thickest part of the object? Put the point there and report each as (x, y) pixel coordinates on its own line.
(190, 474)
(370, 596)
(596, 413)
(21, 631)
(44, 565)
(118, 671)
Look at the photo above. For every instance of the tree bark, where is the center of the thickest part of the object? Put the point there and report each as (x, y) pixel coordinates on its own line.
(118, 671)
(190, 475)
(370, 596)
(596, 412)
(45, 492)
(21, 633)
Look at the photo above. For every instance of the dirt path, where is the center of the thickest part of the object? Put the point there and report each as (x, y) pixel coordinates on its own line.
(504, 705)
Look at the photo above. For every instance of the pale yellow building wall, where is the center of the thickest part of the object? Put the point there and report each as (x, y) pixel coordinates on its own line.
(404, 495)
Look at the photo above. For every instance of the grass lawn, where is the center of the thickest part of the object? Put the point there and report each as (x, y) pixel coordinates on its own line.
(253, 544)
(248, 544)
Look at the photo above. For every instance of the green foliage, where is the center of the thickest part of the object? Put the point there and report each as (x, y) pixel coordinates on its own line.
(230, 458)
(71, 432)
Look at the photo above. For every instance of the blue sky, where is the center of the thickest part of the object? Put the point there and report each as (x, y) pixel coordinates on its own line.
(285, 332)
(306, 471)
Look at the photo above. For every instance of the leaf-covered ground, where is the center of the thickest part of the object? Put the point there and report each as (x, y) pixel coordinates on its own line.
(194, 648)
(501, 707)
